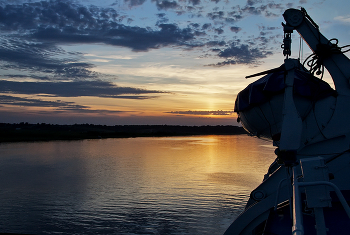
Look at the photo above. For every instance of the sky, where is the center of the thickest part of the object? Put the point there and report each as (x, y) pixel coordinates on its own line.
(144, 62)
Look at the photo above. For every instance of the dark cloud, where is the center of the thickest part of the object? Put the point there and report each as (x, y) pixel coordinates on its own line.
(85, 110)
(199, 33)
(189, 112)
(136, 38)
(216, 15)
(230, 20)
(253, 2)
(256, 7)
(216, 43)
(251, 8)
(242, 54)
(161, 15)
(195, 2)
(278, 6)
(134, 2)
(58, 105)
(235, 29)
(42, 57)
(64, 22)
(162, 19)
(54, 13)
(165, 5)
(247, 54)
(75, 89)
(224, 63)
(12, 100)
(39, 29)
(206, 26)
(237, 14)
(254, 10)
(36, 77)
(195, 25)
(33, 33)
(219, 31)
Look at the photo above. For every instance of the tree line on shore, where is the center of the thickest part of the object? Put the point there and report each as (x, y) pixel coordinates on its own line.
(24, 131)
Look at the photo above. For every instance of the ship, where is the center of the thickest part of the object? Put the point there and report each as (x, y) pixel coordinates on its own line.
(306, 190)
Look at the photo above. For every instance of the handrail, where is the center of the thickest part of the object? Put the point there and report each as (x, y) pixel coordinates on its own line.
(336, 190)
(297, 228)
(297, 212)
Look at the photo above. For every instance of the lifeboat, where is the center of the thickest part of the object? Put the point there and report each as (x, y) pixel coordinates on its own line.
(259, 106)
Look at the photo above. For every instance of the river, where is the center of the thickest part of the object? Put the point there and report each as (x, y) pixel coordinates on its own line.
(168, 185)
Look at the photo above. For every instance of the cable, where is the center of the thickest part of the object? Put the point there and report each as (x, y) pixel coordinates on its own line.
(301, 49)
(315, 60)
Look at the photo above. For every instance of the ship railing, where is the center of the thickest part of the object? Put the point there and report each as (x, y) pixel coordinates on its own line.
(298, 228)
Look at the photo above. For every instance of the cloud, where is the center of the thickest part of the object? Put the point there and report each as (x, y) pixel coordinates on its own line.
(162, 18)
(219, 31)
(36, 30)
(216, 44)
(136, 38)
(19, 54)
(75, 89)
(195, 2)
(216, 15)
(12, 100)
(235, 29)
(190, 112)
(253, 7)
(344, 19)
(253, 2)
(60, 22)
(241, 54)
(33, 33)
(60, 106)
(206, 26)
(132, 3)
(165, 5)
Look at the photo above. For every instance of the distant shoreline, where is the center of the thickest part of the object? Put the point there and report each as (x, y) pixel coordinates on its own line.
(25, 132)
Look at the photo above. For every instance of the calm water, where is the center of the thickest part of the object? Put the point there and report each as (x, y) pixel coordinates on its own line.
(173, 185)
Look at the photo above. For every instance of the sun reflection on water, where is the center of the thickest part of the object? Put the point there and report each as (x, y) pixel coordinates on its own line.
(170, 185)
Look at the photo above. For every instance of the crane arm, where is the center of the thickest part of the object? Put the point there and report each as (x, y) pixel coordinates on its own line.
(327, 53)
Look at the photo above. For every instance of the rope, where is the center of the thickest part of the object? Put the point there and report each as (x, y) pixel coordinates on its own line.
(315, 60)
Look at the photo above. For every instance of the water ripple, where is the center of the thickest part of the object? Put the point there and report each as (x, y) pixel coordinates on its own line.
(192, 185)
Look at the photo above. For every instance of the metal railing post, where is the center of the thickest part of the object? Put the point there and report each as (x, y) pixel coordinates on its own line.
(297, 228)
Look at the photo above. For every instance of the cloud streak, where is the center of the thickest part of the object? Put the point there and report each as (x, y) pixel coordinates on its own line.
(19, 54)
(201, 113)
(76, 89)
(58, 105)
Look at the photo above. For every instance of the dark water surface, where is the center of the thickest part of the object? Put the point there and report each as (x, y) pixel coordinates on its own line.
(172, 185)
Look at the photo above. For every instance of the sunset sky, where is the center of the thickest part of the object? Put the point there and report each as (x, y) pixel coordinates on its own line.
(117, 62)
